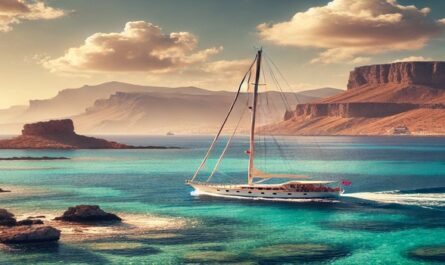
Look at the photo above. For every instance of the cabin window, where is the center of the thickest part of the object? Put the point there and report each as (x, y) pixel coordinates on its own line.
(268, 188)
(250, 192)
(237, 191)
(260, 188)
(262, 192)
(217, 189)
(289, 194)
(227, 190)
(274, 193)
(304, 193)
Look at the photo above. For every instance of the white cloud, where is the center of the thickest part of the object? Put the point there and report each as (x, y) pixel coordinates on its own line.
(413, 59)
(141, 46)
(16, 11)
(143, 49)
(346, 29)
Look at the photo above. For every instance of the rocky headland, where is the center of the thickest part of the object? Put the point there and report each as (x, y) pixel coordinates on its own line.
(380, 99)
(60, 134)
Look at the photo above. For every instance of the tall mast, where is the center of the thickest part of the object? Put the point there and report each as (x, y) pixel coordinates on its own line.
(252, 128)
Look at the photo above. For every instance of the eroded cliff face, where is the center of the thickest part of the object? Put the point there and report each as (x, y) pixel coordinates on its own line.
(420, 73)
(56, 134)
(52, 127)
(379, 98)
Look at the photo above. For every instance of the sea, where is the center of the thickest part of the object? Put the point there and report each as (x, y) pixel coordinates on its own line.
(392, 213)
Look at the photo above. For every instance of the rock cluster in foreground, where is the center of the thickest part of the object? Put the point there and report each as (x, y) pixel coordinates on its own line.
(25, 231)
(34, 230)
(60, 134)
(87, 214)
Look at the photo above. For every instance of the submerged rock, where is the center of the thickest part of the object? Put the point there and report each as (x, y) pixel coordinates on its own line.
(430, 253)
(29, 234)
(211, 256)
(300, 252)
(7, 218)
(87, 214)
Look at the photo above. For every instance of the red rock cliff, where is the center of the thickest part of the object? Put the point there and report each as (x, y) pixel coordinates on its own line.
(52, 127)
(58, 134)
(420, 73)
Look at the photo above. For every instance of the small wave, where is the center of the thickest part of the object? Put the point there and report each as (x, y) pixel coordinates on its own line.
(402, 197)
(200, 193)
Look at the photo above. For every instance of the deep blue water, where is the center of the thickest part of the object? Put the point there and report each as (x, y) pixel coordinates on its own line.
(393, 213)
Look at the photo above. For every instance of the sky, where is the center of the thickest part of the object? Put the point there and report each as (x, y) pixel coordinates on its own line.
(47, 46)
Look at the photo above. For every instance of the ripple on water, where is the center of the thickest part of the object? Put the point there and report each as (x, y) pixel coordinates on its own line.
(210, 257)
(46, 253)
(368, 226)
(428, 253)
(298, 252)
(123, 248)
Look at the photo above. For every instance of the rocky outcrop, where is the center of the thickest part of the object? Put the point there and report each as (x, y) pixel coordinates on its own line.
(7, 218)
(49, 128)
(29, 222)
(87, 214)
(420, 73)
(29, 234)
(60, 134)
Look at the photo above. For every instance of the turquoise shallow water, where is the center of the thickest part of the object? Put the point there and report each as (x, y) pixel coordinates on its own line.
(394, 207)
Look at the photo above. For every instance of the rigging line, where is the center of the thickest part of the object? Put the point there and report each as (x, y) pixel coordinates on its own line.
(265, 120)
(277, 83)
(284, 79)
(229, 141)
(268, 58)
(224, 122)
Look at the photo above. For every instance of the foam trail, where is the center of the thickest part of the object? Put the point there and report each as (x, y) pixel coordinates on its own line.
(200, 193)
(397, 197)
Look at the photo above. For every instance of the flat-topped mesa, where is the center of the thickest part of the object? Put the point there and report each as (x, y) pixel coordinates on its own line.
(419, 73)
(59, 134)
(52, 127)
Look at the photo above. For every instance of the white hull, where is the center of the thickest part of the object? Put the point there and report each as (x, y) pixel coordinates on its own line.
(255, 192)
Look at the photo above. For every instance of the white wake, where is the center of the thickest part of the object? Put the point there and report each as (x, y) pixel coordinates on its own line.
(417, 199)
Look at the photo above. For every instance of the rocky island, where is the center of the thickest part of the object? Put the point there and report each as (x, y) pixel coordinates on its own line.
(60, 134)
(380, 100)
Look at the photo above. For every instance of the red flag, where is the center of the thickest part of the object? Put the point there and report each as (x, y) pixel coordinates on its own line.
(247, 152)
(346, 182)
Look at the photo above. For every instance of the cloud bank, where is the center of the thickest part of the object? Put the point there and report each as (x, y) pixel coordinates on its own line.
(169, 59)
(346, 29)
(16, 11)
(413, 59)
(141, 46)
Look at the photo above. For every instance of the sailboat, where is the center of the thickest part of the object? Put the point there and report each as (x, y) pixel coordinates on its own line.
(296, 186)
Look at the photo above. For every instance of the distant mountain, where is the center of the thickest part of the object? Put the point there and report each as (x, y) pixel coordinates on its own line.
(381, 100)
(110, 107)
(322, 92)
(74, 101)
(160, 113)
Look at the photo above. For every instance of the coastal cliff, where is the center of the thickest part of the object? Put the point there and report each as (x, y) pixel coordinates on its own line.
(378, 99)
(59, 134)
(420, 73)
